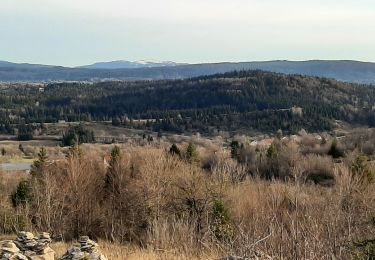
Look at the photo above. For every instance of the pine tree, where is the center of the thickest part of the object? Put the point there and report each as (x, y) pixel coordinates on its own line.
(113, 173)
(22, 194)
(174, 150)
(235, 145)
(334, 151)
(38, 167)
(74, 151)
(191, 152)
(115, 156)
(272, 151)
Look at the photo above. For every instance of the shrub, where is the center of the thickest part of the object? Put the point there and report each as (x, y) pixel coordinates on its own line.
(318, 170)
(367, 247)
(362, 167)
(321, 177)
(278, 165)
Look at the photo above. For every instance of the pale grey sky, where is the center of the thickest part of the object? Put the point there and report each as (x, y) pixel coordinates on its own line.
(77, 32)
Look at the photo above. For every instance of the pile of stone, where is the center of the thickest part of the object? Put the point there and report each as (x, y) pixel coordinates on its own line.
(87, 249)
(9, 251)
(255, 255)
(35, 247)
(27, 247)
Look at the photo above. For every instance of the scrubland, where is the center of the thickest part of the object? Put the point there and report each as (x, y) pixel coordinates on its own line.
(205, 201)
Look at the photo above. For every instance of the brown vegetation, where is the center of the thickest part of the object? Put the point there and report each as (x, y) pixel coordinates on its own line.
(152, 204)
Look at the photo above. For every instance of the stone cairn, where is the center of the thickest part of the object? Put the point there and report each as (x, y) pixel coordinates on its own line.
(27, 247)
(255, 255)
(87, 249)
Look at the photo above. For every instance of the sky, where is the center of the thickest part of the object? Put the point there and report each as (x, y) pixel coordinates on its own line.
(79, 32)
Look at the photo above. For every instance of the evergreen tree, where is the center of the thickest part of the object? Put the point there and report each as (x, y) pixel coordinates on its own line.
(20, 147)
(25, 133)
(38, 167)
(174, 150)
(235, 146)
(115, 156)
(77, 134)
(191, 152)
(22, 194)
(272, 151)
(334, 151)
(116, 121)
(74, 151)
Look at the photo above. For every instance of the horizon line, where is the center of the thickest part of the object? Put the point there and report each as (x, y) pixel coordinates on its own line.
(187, 63)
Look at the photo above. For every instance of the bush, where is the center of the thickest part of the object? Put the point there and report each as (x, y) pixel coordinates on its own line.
(320, 177)
(366, 247)
(362, 167)
(318, 170)
(278, 164)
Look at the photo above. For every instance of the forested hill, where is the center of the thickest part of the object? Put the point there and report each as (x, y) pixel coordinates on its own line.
(350, 71)
(245, 100)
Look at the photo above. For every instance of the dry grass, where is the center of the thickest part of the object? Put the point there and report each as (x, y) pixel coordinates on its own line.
(167, 206)
(127, 252)
(115, 251)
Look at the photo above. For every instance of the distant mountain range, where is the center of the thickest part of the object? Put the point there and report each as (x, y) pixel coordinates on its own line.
(350, 71)
(124, 64)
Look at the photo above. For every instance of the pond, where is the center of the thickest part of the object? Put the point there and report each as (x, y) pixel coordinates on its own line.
(15, 166)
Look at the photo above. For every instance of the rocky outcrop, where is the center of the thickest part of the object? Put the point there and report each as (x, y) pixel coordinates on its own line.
(86, 250)
(27, 247)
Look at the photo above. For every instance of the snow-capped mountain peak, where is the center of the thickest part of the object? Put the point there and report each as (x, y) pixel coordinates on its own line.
(124, 64)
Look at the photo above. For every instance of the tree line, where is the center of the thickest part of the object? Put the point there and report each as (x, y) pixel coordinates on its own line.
(255, 100)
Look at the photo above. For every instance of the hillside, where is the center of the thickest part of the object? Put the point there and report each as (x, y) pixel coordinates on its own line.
(350, 71)
(247, 100)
